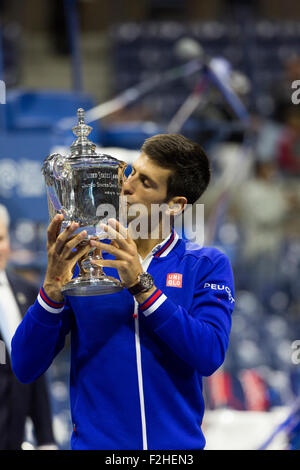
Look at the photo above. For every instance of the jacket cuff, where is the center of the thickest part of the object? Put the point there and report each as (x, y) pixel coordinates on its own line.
(48, 304)
(157, 309)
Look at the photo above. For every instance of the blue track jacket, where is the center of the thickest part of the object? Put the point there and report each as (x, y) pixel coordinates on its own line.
(136, 370)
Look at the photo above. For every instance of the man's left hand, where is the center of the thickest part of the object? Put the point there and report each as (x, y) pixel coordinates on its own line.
(125, 251)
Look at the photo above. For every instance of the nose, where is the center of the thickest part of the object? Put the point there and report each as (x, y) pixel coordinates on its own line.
(127, 186)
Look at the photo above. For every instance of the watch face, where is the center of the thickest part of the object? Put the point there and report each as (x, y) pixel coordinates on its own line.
(146, 280)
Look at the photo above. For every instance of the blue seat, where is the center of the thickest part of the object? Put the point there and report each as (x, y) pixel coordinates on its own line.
(34, 110)
(128, 135)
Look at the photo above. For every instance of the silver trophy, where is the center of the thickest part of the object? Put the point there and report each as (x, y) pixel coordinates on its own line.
(85, 187)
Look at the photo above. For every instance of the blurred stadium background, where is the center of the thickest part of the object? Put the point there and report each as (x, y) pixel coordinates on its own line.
(221, 73)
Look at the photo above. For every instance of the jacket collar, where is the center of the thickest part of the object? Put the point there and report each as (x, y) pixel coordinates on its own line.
(171, 244)
(163, 249)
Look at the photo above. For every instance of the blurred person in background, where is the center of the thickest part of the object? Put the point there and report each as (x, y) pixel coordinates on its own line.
(281, 91)
(261, 208)
(18, 401)
(279, 135)
(289, 144)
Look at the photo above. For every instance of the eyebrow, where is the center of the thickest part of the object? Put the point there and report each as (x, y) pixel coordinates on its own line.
(145, 176)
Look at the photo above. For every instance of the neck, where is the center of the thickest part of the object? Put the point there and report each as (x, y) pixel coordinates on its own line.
(145, 245)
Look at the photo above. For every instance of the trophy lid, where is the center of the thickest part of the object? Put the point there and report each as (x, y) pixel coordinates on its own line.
(82, 145)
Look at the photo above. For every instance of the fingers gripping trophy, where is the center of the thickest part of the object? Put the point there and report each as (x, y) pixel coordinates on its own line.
(85, 187)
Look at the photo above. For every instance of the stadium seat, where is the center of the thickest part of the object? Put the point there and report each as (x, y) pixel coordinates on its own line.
(30, 110)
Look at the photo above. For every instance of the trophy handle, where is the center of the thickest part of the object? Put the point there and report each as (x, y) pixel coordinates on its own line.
(56, 167)
(121, 173)
(56, 170)
(122, 201)
(61, 169)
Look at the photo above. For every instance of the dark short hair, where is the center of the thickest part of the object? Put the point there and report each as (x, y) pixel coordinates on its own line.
(187, 159)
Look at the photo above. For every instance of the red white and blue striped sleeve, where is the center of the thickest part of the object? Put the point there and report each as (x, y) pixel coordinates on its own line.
(153, 302)
(48, 304)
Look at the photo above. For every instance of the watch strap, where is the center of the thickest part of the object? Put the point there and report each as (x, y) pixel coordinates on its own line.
(138, 288)
(144, 283)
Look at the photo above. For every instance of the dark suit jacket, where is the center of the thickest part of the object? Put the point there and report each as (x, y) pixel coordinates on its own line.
(17, 400)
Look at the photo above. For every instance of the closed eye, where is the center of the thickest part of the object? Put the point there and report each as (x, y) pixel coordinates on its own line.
(143, 178)
(144, 182)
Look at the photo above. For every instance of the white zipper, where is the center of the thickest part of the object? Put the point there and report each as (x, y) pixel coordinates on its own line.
(145, 264)
(140, 374)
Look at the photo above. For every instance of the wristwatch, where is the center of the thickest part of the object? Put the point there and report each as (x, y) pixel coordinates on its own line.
(145, 282)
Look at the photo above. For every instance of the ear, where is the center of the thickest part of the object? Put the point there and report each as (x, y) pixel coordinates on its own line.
(176, 205)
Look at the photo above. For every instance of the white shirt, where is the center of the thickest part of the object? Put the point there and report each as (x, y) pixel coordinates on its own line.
(10, 316)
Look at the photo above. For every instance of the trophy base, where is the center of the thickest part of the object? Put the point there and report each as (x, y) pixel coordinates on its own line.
(81, 286)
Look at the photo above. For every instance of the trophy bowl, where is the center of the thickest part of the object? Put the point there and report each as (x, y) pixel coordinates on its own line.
(85, 187)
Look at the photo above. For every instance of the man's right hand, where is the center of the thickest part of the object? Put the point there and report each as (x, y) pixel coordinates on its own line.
(61, 257)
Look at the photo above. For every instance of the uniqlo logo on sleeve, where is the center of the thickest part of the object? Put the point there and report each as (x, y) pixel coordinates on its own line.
(174, 280)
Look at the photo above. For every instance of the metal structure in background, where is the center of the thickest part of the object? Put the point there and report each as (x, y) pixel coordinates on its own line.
(133, 94)
(72, 20)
